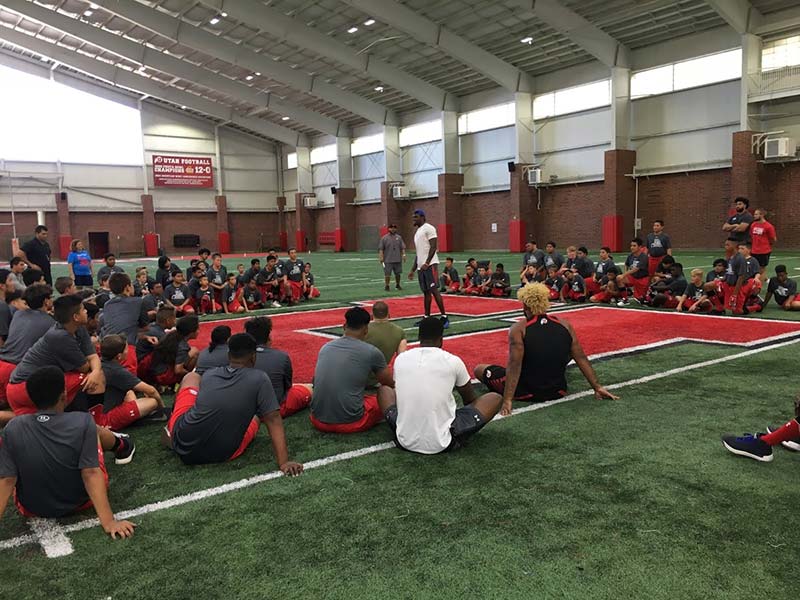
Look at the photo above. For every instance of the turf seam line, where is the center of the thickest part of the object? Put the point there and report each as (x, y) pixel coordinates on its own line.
(250, 481)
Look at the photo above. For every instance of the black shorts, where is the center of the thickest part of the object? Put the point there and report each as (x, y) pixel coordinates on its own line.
(429, 279)
(84, 280)
(467, 423)
(389, 268)
(763, 259)
(494, 377)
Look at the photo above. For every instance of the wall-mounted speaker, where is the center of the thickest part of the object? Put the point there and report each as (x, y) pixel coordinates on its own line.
(511, 166)
(333, 190)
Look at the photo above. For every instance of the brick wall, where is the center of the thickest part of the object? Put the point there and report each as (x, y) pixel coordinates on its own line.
(569, 215)
(250, 231)
(479, 212)
(325, 220)
(124, 230)
(780, 196)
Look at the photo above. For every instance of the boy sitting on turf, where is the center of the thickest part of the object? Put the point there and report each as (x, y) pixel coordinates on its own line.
(121, 408)
(668, 292)
(240, 272)
(155, 299)
(165, 320)
(124, 313)
(469, 284)
(179, 295)
(311, 290)
(233, 296)
(448, 281)
(421, 410)
(204, 296)
(52, 461)
(501, 282)
(484, 282)
(694, 298)
(601, 269)
(278, 367)
(782, 288)
(216, 355)
(217, 276)
(528, 275)
(340, 403)
(294, 277)
(271, 282)
(609, 290)
(217, 417)
(172, 358)
(253, 300)
(103, 293)
(554, 282)
(65, 286)
(574, 288)
(748, 282)
(252, 272)
(636, 275)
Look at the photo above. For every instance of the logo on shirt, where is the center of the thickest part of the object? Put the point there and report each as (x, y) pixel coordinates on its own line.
(543, 321)
(43, 418)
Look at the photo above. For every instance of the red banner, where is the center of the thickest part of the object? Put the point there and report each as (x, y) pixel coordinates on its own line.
(182, 171)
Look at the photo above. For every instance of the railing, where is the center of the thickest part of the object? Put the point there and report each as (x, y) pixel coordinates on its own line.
(785, 79)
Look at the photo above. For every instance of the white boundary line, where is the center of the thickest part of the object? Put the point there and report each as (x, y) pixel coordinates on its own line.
(55, 544)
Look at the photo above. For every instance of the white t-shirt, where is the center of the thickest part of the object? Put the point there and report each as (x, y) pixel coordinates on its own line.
(422, 241)
(424, 382)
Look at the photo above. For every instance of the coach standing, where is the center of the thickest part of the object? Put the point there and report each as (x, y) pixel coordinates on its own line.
(392, 255)
(36, 253)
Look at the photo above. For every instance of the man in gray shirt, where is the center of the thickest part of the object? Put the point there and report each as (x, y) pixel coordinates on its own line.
(338, 404)
(392, 254)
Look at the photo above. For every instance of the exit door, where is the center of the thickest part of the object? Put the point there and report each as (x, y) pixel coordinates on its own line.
(98, 244)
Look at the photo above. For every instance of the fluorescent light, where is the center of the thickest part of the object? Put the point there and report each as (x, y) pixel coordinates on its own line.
(527, 40)
(214, 20)
(352, 30)
(93, 6)
(223, 14)
(369, 22)
(88, 13)
(258, 74)
(183, 107)
(378, 88)
(249, 78)
(284, 118)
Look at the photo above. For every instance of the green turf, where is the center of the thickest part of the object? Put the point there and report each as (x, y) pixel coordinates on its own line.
(586, 499)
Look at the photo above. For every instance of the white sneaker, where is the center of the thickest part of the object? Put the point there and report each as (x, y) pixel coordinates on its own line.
(624, 302)
(276, 304)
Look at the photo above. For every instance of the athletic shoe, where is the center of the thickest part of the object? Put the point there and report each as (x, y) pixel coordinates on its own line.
(445, 322)
(276, 304)
(748, 445)
(634, 300)
(159, 415)
(624, 302)
(386, 289)
(124, 452)
(397, 287)
(793, 445)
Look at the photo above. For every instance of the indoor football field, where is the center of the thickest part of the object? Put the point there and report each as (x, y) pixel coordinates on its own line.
(577, 498)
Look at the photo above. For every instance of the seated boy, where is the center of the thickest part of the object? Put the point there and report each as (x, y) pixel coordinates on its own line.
(240, 272)
(165, 319)
(124, 314)
(448, 281)
(173, 357)
(294, 277)
(636, 275)
(253, 300)
(217, 417)
(669, 291)
(609, 290)
(233, 296)
(52, 461)
(483, 283)
(469, 283)
(65, 286)
(217, 276)
(179, 295)
(500, 282)
(604, 264)
(204, 297)
(715, 285)
(311, 290)
(271, 282)
(555, 282)
(340, 403)
(152, 301)
(782, 288)
(103, 294)
(121, 408)
(574, 288)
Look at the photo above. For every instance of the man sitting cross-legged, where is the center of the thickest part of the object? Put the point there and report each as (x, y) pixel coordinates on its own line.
(386, 336)
(340, 403)
(759, 446)
(217, 417)
(278, 367)
(421, 410)
(52, 461)
(540, 347)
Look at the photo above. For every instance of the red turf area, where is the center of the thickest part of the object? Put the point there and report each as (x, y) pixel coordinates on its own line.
(600, 330)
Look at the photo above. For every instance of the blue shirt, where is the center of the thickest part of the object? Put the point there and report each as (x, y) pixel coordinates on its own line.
(81, 262)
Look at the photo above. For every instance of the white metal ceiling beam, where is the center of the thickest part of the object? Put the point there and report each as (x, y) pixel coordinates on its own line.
(295, 33)
(172, 65)
(588, 36)
(193, 37)
(739, 14)
(788, 19)
(423, 29)
(143, 85)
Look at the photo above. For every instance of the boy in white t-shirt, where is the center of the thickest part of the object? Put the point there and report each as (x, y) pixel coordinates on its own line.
(426, 265)
(421, 409)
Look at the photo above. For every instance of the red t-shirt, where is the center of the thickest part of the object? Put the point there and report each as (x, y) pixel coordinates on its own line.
(763, 234)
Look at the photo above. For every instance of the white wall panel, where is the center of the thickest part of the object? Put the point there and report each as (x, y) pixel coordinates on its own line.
(421, 166)
(368, 173)
(485, 156)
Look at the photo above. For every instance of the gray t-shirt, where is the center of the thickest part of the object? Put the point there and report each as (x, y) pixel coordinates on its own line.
(27, 327)
(343, 366)
(123, 315)
(392, 246)
(782, 292)
(738, 219)
(553, 260)
(119, 381)
(207, 360)
(584, 266)
(5, 319)
(46, 453)
(106, 270)
(534, 258)
(213, 428)
(143, 347)
(56, 347)
(658, 244)
(278, 367)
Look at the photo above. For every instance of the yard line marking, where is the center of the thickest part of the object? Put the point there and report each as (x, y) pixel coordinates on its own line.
(250, 481)
(51, 536)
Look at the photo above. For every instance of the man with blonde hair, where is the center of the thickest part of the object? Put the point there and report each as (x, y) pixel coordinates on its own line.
(540, 348)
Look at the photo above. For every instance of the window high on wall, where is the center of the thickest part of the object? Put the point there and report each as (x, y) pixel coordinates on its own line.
(368, 144)
(501, 115)
(323, 154)
(54, 122)
(573, 99)
(780, 53)
(421, 133)
(705, 70)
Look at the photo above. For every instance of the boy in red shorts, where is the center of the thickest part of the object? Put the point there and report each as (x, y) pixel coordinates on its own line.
(295, 277)
(554, 282)
(601, 269)
(636, 275)
(695, 298)
(173, 357)
(233, 296)
(66, 345)
(448, 281)
(217, 417)
(748, 282)
(609, 290)
(311, 290)
(253, 300)
(339, 403)
(574, 288)
(501, 282)
(669, 291)
(204, 297)
(468, 282)
(52, 462)
(124, 314)
(483, 283)
(179, 295)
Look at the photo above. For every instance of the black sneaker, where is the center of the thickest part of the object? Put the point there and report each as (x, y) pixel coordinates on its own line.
(793, 445)
(748, 445)
(124, 452)
(159, 415)
(445, 322)
(386, 288)
(398, 287)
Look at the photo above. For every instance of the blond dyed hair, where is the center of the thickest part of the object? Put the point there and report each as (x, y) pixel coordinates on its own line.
(536, 297)
(697, 272)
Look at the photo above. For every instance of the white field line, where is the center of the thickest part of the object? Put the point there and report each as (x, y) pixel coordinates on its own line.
(51, 536)
(250, 481)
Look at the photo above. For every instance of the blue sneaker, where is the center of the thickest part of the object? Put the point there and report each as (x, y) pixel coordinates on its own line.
(748, 445)
(445, 322)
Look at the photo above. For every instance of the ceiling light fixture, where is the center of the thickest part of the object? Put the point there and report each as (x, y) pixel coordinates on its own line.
(378, 88)
(183, 107)
(214, 20)
(249, 78)
(527, 40)
(93, 6)
(369, 22)
(284, 118)
(352, 30)
(88, 13)
(223, 14)
(258, 74)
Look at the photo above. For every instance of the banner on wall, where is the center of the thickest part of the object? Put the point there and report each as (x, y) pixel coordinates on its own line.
(182, 171)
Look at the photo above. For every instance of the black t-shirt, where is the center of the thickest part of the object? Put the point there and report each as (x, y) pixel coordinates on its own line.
(46, 452)
(294, 269)
(555, 283)
(119, 381)
(451, 273)
(553, 260)
(200, 293)
(578, 284)
(151, 301)
(734, 266)
(213, 428)
(535, 258)
(782, 291)
(229, 293)
(39, 254)
(738, 219)
(602, 267)
(584, 266)
(252, 296)
(217, 277)
(748, 268)
(501, 280)
(56, 347)
(677, 287)
(694, 292)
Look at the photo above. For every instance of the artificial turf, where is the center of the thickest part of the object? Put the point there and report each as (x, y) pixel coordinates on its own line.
(585, 499)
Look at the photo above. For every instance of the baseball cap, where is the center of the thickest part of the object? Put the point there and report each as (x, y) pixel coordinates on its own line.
(419, 212)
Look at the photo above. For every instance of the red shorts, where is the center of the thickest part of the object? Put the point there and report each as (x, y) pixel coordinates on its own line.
(312, 293)
(5, 374)
(639, 285)
(297, 398)
(690, 302)
(592, 287)
(118, 418)
(85, 506)
(471, 290)
(188, 309)
(254, 305)
(186, 399)
(499, 292)
(372, 416)
(571, 294)
(296, 288)
(652, 264)
(749, 288)
(554, 295)
(454, 286)
(21, 404)
(145, 373)
(671, 302)
(234, 307)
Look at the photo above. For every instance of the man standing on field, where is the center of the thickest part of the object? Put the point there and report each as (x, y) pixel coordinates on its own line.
(427, 262)
(392, 254)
